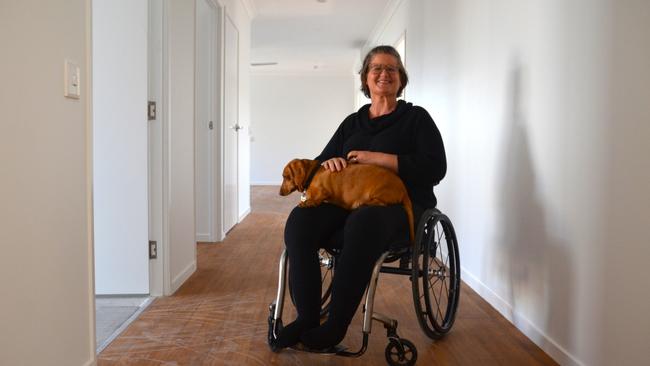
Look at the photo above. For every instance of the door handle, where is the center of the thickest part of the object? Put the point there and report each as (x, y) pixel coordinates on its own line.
(236, 127)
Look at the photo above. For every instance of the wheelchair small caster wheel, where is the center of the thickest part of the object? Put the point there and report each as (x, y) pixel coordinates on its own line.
(401, 352)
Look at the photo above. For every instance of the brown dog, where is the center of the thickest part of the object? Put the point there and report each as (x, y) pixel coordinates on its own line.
(356, 185)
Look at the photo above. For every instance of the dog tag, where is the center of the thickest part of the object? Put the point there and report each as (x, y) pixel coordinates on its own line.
(303, 197)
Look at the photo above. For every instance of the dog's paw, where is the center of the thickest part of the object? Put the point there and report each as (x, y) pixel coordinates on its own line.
(308, 203)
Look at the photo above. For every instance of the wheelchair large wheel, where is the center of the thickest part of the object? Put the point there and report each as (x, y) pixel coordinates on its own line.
(327, 262)
(436, 275)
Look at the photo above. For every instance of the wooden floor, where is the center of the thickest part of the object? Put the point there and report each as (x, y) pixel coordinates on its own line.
(219, 316)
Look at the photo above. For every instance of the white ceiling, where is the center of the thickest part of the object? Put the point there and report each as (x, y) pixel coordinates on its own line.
(309, 35)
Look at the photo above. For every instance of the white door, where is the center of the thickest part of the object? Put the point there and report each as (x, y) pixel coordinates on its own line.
(206, 31)
(231, 125)
(120, 146)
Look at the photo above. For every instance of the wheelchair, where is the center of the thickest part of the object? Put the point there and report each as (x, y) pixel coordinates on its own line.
(433, 266)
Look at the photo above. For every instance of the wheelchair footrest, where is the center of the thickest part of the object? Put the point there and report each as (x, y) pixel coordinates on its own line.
(325, 351)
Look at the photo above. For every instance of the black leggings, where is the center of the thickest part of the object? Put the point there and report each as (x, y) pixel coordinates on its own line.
(367, 233)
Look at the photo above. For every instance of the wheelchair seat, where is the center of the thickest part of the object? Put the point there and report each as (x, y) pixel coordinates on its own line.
(395, 248)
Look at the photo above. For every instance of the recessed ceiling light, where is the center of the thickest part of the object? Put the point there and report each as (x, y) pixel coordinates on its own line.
(322, 1)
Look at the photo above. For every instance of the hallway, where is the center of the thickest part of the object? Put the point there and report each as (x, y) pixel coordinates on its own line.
(219, 316)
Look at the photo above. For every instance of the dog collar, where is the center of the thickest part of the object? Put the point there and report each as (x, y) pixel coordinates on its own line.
(311, 175)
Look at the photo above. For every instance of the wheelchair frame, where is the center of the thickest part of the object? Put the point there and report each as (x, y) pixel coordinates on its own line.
(422, 254)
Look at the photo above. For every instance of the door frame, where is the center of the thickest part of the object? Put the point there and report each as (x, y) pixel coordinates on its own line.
(218, 153)
(215, 178)
(158, 149)
(217, 184)
(224, 125)
(160, 270)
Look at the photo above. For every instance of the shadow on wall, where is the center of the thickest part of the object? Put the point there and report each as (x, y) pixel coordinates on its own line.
(532, 265)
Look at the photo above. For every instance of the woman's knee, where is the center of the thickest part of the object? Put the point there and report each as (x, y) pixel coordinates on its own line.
(377, 222)
(312, 224)
(298, 217)
(297, 227)
(372, 216)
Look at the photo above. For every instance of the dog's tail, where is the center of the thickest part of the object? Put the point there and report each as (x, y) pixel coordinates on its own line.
(408, 206)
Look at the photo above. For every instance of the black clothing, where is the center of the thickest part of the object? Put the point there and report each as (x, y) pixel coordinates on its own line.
(408, 132)
(367, 232)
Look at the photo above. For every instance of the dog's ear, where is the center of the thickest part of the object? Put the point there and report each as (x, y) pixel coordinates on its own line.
(299, 171)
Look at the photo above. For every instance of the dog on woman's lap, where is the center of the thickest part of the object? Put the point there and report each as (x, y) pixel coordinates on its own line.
(356, 185)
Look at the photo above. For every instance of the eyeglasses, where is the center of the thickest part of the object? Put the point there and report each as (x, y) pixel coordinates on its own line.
(377, 68)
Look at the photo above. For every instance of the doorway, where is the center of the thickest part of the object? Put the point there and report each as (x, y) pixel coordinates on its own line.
(120, 164)
(208, 122)
(120, 188)
(217, 122)
(231, 125)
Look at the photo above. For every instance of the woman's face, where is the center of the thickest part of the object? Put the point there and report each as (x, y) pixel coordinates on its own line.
(383, 76)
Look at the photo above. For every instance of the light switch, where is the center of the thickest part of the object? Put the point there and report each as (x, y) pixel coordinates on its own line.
(72, 77)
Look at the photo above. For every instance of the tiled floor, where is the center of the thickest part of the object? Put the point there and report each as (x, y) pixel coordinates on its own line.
(113, 314)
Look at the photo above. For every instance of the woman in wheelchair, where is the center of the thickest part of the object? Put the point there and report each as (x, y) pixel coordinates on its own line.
(390, 133)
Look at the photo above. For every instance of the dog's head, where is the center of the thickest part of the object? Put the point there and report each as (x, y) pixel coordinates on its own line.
(294, 175)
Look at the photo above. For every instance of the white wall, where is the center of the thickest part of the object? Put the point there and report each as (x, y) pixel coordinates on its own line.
(294, 116)
(120, 146)
(46, 264)
(543, 109)
(180, 143)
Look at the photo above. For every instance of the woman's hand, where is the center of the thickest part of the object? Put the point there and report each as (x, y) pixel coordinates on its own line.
(335, 164)
(363, 157)
(376, 158)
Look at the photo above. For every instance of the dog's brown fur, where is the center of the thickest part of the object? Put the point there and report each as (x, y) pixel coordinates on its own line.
(356, 185)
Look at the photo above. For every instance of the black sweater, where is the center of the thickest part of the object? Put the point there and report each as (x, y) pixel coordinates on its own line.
(408, 132)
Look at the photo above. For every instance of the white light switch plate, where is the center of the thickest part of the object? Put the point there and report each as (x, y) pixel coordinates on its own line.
(72, 79)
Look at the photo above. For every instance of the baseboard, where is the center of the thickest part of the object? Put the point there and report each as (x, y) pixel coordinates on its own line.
(243, 216)
(179, 280)
(530, 330)
(267, 183)
(203, 237)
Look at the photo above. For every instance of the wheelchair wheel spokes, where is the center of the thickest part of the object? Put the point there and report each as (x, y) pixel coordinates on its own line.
(327, 262)
(436, 273)
(437, 296)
